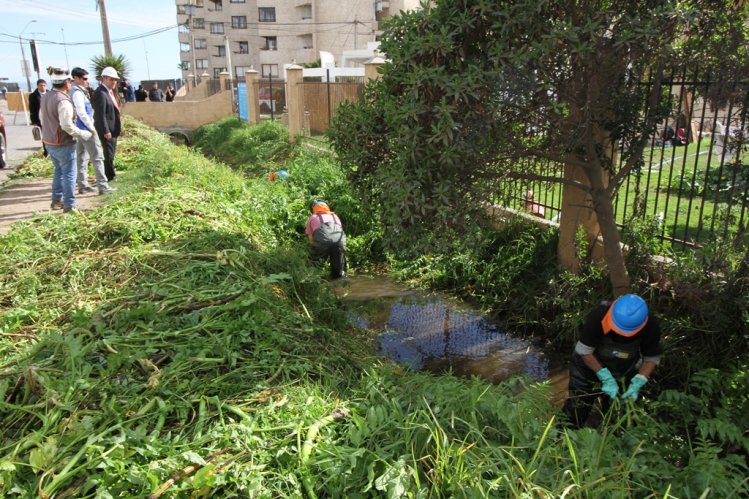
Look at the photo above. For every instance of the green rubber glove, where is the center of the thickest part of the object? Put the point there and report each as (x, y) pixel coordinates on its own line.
(634, 387)
(609, 385)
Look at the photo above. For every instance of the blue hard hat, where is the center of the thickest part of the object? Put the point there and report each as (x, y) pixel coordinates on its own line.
(629, 314)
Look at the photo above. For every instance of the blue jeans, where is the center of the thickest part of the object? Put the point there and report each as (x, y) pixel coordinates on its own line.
(63, 183)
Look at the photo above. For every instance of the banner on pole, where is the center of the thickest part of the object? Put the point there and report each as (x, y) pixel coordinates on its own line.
(34, 58)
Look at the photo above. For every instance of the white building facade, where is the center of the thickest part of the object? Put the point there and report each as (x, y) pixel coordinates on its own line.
(236, 35)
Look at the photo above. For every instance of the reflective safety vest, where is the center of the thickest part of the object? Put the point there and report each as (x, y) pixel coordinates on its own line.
(619, 357)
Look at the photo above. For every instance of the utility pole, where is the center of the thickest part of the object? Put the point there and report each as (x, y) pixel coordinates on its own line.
(65, 46)
(24, 63)
(105, 27)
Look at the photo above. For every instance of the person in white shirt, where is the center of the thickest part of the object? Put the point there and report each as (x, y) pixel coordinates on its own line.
(90, 148)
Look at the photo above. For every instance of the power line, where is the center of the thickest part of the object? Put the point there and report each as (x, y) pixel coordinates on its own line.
(98, 42)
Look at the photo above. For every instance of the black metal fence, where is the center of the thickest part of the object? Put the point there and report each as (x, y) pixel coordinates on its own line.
(694, 182)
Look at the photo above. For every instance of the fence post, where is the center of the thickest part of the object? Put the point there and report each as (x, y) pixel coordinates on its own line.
(253, 96)
(371, 67)
(295, 100)
(190, 82)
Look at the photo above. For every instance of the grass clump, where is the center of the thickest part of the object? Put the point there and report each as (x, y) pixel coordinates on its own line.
(246, 148)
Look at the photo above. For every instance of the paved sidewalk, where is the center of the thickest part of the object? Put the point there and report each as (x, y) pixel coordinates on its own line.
(21, 201)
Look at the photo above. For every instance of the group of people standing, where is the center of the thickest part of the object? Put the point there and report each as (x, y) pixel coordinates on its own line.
(142, 95)
(155, 94)
(78, 126)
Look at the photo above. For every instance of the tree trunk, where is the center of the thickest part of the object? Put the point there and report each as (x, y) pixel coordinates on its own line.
(612, 248)
(576, 211)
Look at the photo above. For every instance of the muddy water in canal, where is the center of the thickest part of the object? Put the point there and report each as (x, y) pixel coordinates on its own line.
(431, 331)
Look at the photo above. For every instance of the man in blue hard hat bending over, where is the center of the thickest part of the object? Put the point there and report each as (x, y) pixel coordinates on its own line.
(618, 339)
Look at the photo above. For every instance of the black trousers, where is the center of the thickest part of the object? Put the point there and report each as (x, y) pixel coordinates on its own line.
(110, 148)
(335, 252)
(584, 389)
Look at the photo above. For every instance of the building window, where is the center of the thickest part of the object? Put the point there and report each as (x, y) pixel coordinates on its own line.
(218, 71)
(221, 51)
(188, 10)
(306, 11)
(201, 43)
(184, 28)
(239, 71)
(266, 14)
(217, 6)
(239, 22)
(269, 70)
(201, 63)
(184, 47)
(236, 1)
(217, 28)
(184, 65)
(307, 41)
(244, 48)
(271, 43)
(198, 3)
(198, 23)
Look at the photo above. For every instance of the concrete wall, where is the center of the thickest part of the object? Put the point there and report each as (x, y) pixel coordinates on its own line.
(181, 114)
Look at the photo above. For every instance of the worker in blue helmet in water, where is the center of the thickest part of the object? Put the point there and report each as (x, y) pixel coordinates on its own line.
(618, 340)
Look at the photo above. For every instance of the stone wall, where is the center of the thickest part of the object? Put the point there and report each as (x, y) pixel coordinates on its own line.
(181, 114)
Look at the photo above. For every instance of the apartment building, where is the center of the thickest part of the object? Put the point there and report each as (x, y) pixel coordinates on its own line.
(266, 34)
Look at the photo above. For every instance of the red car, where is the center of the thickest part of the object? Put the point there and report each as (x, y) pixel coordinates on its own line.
(3, 142)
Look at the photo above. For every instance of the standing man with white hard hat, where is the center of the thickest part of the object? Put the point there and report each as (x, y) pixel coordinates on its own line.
(107, 117)
(59, 134)
(618, 340)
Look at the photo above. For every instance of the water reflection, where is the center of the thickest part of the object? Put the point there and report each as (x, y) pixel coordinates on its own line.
(433, 332)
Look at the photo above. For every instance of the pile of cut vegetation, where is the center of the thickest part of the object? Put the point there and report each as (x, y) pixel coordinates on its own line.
(176, 342)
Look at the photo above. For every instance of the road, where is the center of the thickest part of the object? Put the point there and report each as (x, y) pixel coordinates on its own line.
(25, 200)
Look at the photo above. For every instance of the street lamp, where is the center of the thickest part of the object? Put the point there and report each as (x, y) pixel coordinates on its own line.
(23, 55)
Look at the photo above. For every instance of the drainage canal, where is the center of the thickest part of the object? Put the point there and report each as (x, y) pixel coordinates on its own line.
(433, 332)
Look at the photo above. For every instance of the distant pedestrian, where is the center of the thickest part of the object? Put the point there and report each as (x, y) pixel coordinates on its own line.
(169, 93)
(107, 118)
(128, 93)
(4, 92)
(155, 94)
(141, 95)
(59, 133)
(35, 102)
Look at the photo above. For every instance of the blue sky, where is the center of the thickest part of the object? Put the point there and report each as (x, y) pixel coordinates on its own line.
(78, 21)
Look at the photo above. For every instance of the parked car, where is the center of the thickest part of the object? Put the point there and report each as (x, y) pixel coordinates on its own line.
(3, 142)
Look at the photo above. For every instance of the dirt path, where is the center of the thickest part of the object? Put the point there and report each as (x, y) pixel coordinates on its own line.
(24, 200)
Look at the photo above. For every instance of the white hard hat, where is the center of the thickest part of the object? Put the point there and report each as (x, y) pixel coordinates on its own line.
(111, 72)
(59, 76)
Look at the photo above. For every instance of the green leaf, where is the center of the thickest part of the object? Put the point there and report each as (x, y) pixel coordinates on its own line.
(41, 457)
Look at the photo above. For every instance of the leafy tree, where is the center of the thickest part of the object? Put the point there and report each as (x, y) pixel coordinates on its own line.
(477, 92)
(118, 62)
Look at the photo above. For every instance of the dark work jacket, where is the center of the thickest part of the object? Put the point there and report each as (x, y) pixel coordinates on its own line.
(106, 115)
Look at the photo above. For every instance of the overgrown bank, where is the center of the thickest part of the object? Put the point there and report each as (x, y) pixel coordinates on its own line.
(180, 333)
